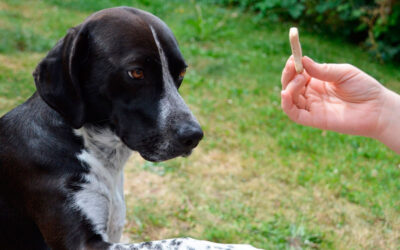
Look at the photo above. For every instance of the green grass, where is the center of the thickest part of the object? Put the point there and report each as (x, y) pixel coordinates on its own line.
(256, 177)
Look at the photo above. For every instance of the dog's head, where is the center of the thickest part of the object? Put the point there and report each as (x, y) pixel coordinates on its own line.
(122, 68)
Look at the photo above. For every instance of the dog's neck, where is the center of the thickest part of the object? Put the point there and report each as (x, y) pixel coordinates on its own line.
(105, 146)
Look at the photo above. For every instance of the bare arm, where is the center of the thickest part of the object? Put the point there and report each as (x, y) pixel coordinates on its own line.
(388, 134)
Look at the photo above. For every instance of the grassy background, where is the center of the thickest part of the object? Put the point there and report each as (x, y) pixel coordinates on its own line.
(256, 177)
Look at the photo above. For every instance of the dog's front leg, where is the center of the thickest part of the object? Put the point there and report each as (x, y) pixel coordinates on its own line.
(180, 244)
(63, 226)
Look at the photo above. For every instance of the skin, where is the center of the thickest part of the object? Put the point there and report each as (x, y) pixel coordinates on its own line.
(341, 98)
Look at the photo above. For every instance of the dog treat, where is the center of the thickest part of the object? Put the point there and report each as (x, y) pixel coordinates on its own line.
(296, 49)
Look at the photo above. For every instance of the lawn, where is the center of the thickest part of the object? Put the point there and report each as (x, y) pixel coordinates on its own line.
(256, 177)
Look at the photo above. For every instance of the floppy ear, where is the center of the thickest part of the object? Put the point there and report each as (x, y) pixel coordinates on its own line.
(57, 76)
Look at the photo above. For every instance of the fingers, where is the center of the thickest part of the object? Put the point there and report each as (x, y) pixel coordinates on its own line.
(288, 72)
(294, 104)
(296, 86)
(329, 72)
(296, 114)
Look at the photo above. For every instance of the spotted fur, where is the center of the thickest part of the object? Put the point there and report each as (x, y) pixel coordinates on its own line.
(181, 244)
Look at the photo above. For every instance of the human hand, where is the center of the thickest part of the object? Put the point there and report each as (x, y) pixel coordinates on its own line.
(338, 97)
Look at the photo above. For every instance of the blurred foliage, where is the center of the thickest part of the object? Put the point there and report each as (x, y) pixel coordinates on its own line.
(374, 24)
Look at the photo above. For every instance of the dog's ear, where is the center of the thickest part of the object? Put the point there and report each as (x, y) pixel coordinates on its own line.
(57, 76)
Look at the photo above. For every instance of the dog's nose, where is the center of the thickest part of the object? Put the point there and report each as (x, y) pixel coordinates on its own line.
(189, 135)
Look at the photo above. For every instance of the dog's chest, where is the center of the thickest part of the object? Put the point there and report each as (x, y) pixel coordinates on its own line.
(101, 198)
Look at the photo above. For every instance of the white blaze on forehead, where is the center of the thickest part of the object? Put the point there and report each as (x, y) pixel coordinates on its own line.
(167, 78)
(165, 105)
(171, 101)
(172, 108)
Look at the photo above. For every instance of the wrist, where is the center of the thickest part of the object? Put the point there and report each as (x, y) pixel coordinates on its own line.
(389, 121)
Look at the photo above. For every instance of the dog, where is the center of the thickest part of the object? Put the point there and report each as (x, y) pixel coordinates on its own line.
(109, 87)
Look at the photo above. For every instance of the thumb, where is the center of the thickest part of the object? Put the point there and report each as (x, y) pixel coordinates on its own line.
(329, 72)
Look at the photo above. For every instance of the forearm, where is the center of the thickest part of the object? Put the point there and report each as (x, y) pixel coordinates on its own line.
(389, 131)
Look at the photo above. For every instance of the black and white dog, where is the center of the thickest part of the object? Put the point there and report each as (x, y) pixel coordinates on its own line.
(108, 87)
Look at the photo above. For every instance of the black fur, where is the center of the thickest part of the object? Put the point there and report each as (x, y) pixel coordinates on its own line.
(83, 81)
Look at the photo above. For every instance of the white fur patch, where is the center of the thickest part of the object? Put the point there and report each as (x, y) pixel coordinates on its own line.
(101, 199)
(181, 244)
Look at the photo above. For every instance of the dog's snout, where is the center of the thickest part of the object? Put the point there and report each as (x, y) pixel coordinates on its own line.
(189, 135)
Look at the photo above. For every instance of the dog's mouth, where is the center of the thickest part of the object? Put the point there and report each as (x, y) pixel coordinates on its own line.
(163, 156)
(154, 149)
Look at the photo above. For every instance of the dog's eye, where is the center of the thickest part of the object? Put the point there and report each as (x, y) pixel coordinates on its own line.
(182, 74)
(136, 74)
